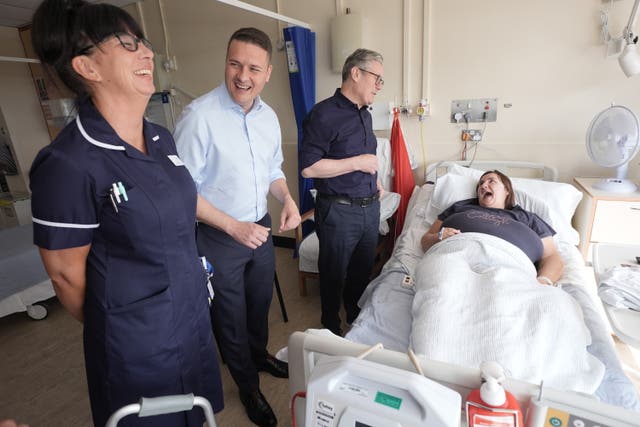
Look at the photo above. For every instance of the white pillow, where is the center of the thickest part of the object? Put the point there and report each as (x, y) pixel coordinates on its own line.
(451, 188)
(562, 199)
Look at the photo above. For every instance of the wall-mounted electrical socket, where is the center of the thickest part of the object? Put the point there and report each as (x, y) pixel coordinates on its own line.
(422, 110)
(473, 135)
(474, 110)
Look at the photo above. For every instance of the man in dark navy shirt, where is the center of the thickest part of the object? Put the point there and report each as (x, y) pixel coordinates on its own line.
(339, 151)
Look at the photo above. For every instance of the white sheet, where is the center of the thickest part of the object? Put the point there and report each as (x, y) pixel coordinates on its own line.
(620, 286)
(477, 299)
(386, 303)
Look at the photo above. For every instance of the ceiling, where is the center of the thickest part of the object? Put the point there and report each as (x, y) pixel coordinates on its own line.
(17, 13)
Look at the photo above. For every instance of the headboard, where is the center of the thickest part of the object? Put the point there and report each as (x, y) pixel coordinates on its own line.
(510, 168)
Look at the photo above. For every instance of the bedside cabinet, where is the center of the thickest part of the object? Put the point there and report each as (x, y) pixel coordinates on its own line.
(606, 217)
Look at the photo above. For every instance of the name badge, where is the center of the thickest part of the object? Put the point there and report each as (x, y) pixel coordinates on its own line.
(175, 160)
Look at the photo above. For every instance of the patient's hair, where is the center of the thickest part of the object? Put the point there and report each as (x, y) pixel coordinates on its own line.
(360, 58)
(252, 36)
(510, 202)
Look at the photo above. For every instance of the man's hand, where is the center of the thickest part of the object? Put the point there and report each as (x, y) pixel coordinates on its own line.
(367, 163)
(290, 216)
(249, 234)
(381, 190)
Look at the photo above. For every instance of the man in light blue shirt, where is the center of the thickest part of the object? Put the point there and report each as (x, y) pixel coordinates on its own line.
(230, 141)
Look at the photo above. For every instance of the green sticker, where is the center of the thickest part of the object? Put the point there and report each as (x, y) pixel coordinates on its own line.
(388, 400)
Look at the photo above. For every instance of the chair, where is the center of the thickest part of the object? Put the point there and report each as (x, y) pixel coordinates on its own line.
(308, 247)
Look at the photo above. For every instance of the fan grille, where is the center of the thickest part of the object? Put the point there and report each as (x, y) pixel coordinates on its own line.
(613, 137)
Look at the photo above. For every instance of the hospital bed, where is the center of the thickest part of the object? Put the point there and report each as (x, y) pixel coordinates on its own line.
(23, 280)
(386, 315)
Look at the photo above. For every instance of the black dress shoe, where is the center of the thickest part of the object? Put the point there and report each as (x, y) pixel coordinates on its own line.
(258, 409)
(275, 367)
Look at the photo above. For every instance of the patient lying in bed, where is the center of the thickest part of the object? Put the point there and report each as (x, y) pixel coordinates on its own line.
(494, 212)
(477, 297)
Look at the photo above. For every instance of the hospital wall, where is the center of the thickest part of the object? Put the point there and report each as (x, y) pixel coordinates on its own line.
(21, 109)
(543, 58)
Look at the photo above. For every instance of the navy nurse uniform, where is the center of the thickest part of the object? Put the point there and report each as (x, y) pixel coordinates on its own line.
(147, 329)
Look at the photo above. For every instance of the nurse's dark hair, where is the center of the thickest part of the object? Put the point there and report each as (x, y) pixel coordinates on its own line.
(253, 36)
(510, 201)
(62, 29)
(359, 58)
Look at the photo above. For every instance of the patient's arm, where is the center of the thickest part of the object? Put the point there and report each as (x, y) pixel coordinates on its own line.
(67, 270)
(431, 237)
(550, 264)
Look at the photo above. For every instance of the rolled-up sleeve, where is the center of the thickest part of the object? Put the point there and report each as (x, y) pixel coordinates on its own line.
(316, 139)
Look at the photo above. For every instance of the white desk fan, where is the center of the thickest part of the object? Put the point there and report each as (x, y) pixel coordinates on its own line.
(613, 139)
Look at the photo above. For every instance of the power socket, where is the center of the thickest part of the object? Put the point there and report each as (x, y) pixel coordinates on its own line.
(474, 135)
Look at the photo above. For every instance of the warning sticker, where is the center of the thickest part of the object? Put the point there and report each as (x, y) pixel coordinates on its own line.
(325, 414)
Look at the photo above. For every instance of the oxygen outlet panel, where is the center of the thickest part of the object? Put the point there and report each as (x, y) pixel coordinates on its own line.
(474, 110)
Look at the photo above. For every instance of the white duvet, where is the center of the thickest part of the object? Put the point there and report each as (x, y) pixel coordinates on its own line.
(477, 299)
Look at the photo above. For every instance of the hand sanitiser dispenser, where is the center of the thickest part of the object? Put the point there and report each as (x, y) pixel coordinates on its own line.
(491, 405)
(344, 391)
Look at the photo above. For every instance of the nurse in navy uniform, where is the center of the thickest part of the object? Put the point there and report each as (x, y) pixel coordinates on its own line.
(114, 210)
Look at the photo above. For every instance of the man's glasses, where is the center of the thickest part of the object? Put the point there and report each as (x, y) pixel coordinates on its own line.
(379, 79)
(129, 42)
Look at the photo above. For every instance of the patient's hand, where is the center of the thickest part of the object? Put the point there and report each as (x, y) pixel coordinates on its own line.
(448, 232)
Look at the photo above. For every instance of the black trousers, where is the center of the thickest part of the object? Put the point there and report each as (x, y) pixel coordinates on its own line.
(243, 286)
(348, 235)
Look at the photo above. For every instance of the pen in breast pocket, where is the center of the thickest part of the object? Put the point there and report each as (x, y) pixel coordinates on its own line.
(113, 202)
(123, 192)
(116, 192)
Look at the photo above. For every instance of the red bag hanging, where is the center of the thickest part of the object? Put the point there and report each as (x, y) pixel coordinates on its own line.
(403, 182)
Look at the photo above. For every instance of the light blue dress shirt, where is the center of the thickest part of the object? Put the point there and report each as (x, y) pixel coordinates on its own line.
(233, 157)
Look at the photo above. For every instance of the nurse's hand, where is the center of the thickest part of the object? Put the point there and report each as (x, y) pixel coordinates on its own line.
(249, 234)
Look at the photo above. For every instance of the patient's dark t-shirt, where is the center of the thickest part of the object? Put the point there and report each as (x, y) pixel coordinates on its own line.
(517, 226)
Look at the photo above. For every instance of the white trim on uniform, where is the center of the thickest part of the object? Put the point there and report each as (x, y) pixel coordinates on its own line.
(64, 224)
(94, 141)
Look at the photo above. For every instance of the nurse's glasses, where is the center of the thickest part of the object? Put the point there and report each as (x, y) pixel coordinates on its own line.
(128, 41)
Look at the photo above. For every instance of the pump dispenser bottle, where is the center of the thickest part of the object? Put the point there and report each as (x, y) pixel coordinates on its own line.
(491, 405)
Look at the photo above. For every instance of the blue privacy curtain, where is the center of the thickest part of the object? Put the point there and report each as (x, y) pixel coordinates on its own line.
(301, 60)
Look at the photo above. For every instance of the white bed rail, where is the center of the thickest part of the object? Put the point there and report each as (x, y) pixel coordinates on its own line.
(510, 168)
(306, 348)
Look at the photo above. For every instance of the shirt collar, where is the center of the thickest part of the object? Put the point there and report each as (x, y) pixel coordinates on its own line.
(96, 130)
(228, 102)
(345, 102)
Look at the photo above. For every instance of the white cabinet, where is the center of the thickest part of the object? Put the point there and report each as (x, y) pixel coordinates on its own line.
(606, 217)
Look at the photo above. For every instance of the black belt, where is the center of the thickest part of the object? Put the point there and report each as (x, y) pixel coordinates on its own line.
(344, 200)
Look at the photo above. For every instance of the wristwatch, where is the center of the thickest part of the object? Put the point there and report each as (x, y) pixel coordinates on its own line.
(440, 233)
